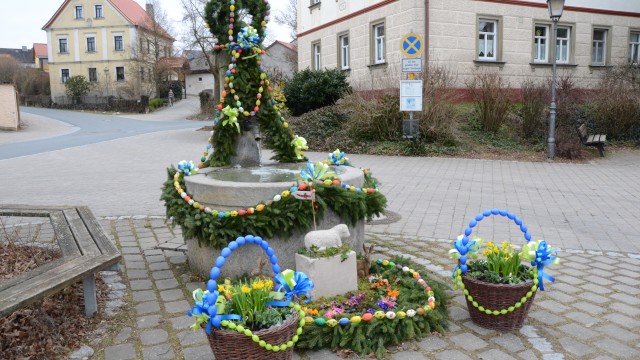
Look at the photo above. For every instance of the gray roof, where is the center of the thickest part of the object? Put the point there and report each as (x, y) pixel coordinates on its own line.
(23, 56)
(197, 60)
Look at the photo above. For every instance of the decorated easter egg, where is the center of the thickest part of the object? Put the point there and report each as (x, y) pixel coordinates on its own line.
(336, 182)
(391, 315)
(420, 311)
(411, 313)
(367, 317)
(319, 321)
(308, 319)
(343, 322)
(332, 322)
(379, 314)
(260, 207)
(355, 319)
(432, 305)
(277, 198)
(401, 314)
(302, 187)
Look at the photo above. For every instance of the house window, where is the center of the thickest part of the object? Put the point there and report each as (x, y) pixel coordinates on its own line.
(98, 9)
(540, 44)
(316, 56)
(563, 43)
(91, 44)
(199, 79)
(343, 51)
(148, 46)
(634, 48)
(488, 40)
(62, 44)
(141, 74)
(599, 47)
(118, 43)
(79, 12)
(93, 75)
(64, 75)
(120, 73)
(378, 44)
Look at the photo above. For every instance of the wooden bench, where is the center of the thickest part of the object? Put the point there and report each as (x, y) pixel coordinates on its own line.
(85, 247)
(598, 141)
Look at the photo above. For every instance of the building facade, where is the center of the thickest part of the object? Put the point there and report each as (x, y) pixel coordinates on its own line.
(115, 44)
(280, 59)
(514, 37)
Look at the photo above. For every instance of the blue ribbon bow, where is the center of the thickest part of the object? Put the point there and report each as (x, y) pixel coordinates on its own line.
(540, 256)
(301, 285)
(462, 251)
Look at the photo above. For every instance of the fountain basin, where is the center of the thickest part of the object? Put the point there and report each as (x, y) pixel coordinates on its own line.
(233, 189)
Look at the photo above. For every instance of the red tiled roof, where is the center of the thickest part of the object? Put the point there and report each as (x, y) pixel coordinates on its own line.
(173, 62)
(40, 50)
(130, 9)
(289, 46)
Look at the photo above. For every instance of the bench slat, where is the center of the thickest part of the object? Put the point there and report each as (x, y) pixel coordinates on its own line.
(590, 139)
(29, 210)
(66, 241)
(603, 138)
(80, 233)
(32, 273)
(52, 281)
(98, 234)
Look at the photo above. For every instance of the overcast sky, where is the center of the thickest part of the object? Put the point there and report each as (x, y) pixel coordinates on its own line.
(21, 21)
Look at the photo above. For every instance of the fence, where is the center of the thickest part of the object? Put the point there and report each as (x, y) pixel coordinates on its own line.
(100, 103)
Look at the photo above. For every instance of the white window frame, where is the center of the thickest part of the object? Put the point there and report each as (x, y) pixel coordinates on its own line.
(537, 44)
(62, 77)
(379, 56)
(124, 78)
(94, 44)
(595, 44)
(79, 10)
(99, 15)
(317, 55)
(483, 39)
(634, 46)
(344, 51)
(560, 42)
(115, 42)
(66, 45)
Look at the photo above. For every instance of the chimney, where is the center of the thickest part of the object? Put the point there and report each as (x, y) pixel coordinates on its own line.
(24, 48)
(150, 10)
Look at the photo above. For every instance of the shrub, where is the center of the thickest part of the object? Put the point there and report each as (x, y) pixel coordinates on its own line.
(207, 104)
(77, 86)
(568, 143)
(312, 89)
(439, 114)
(491, 99)
(324, 130)
(373, 120)
(533, 109)
(566, 100)
(155, 103)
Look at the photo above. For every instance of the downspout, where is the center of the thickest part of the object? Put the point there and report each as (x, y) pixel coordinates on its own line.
(426, 33)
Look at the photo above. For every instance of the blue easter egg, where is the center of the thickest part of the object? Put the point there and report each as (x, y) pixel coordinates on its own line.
(463, 259)
(523, 228)
(343, 321)
(293, 189)
(467, 231)
(276, 269)
(511, 215)
(479, 217)
(212, 310)
(249, 239)
(463, 267)
(240, 240)
(211, 299)
(221, 214)
(503, 212)
(212, 285)
(215, 272)
(264, 245)
(473, 223)
(225, 252)
(527, 236)
(270, 251)
(274, 259)
(220, 261)
(233, 245)
(495, 211)
(216, 320)
(463, 251)
(518, 221)
(486, 213)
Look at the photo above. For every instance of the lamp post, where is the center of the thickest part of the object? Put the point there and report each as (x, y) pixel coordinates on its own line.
(106, 77)
(555, 12)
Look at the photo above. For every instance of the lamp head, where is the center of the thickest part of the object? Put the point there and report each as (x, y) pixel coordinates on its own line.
(555, 9)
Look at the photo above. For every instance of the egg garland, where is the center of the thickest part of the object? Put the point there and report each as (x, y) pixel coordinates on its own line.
(382, 315)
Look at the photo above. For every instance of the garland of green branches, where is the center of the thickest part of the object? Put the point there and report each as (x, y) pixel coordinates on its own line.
(373, 336)
(280, 218)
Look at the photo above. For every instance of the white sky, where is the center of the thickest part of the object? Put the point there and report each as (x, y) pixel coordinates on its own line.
(21, 21)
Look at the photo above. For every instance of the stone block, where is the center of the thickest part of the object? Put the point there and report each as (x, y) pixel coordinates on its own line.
(324, 272)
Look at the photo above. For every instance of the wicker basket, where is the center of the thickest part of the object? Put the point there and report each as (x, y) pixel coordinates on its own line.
(231, 345)
(498, 297)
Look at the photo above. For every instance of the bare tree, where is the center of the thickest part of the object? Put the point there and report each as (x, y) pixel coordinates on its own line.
(289, 18)
(9, 68)
(198, 36)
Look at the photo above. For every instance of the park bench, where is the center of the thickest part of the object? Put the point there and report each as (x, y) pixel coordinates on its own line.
(85, 247)
(598, 141)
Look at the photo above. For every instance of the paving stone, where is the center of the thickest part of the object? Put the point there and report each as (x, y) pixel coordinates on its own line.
(85, 352)
(618, 332)
(469, 341)
(408, 355)
(582, 318)
(147, 307)
(203, 352)
(552, 305)
(191, 337)
(452, 355)
(323, 354)
(570, 288)
(622, 320)
(130, 250)
(599, 280)
(577, 329)
(135, 265)
(137, 274)
(167, 284)
(132, 257)
(495, 354)
(120, 352)
(588, 307)
(123, 335)
(574, 347)
(528, 355)
(625, 309)
(631, 300)
(163, 265)
(163, 351)
(546, 317)
(433, 343)
(148, 321)
(627, 289)
(510, 342)
(626, 280)
(152, 337)
(182, 322)
(616, 348)
(144, 295)
(179, 306)
(140, 284)
(630, 273)
(162, 274)
(602, 266)
(177, 260)
(457, 313)
(171, 295)
(594, 298)
(152, 252)
(155, 258)
(478, 329)
(561, 297)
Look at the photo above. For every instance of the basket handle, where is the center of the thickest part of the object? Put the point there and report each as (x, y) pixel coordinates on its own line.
(464, 246)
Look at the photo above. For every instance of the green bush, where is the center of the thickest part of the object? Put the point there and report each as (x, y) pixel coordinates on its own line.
(491, 99)
(155, 103)
(77, 86)
(312, 89)
(533, 110)
(373, 119)
(323, 129)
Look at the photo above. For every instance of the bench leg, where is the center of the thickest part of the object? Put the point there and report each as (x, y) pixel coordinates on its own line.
(89, 290)
(114, 267)
(601, 150)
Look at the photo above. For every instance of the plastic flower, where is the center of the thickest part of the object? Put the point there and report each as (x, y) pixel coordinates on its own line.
(393, 293)
(232, 117)
(299, 143)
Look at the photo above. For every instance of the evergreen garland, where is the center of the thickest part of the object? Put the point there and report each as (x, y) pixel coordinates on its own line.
(373, 336)
(282, 218)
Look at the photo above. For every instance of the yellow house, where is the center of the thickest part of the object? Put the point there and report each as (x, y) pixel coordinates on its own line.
(115, 44)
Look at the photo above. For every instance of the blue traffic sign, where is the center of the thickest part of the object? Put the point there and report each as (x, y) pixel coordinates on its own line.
(411, 45)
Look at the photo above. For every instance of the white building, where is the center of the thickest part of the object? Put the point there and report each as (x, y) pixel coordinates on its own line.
(363, 37)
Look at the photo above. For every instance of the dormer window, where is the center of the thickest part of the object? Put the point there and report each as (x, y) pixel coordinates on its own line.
(98, 9)
(79, 14)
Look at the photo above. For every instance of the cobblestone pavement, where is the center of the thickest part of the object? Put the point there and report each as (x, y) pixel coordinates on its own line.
(590, 312)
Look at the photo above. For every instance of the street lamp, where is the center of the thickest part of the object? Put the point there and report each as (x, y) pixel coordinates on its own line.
(106, 77)
(555, 13)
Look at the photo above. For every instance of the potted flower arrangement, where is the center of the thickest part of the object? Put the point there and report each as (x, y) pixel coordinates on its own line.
(500, 287)
(255, 318)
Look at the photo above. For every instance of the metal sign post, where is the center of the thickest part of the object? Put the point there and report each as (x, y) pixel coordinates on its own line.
(411, 47)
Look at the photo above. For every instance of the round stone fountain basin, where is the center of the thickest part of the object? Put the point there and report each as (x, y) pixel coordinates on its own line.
(234, 189)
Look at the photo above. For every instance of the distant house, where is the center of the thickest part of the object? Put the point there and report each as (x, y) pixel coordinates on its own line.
(40, 57)
(199, 76)
(23, 56)
(280, 59)
(115, 44)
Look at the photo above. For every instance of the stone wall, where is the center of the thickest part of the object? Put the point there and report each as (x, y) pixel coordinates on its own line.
(9, 110)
